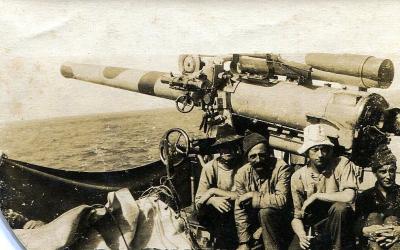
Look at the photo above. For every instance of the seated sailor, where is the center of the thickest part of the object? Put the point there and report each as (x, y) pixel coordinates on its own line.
(215, 194)
(378, 208)
(264, 188)
(322, 193)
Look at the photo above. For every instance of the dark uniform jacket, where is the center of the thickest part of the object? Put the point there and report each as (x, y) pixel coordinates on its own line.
(373, 201)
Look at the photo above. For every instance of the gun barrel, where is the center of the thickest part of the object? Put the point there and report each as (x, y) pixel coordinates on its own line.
(144, 82)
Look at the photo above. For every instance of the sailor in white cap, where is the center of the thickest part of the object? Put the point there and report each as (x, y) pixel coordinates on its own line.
(322, 192)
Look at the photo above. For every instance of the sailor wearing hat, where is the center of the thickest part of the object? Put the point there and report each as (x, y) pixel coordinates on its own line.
(215, 195)
(378, 208)
(322, 192)
(264, 188)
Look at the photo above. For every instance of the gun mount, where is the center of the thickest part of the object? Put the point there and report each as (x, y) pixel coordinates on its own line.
(248, 92)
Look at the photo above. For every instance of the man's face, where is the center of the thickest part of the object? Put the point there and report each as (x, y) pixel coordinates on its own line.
(228, 153)
(258, 156)
(320, 155)
(386, 175)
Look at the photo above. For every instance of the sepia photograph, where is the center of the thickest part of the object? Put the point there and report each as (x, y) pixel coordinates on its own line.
(199, 125)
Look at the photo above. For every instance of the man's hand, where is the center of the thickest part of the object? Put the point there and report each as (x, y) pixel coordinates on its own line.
(387, 242)
(383, 235)
(33, 224)
(243, 246)
(307, 202)
(245, 199)
(220, 203)
(233, 196)
(396, 231)
(298, 228)
(304, 240)
(396, 237)
(371, 231)
(388, 235)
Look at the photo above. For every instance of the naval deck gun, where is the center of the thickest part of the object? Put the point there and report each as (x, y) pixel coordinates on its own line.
(271, 95)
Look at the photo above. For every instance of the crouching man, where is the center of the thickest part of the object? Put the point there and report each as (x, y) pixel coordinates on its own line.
(322, 192)
(263, 186)
(216, 195)
(378, 208)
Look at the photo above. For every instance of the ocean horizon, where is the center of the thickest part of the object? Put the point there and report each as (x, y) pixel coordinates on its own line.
(99, 142)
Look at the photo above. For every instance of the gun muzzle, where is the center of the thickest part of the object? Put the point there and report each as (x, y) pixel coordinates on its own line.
(144, 82)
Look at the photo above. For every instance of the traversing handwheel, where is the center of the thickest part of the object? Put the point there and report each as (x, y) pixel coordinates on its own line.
(174, 147)
(184, 103)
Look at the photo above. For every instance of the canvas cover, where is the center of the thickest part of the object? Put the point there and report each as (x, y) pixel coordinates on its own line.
(123, 223)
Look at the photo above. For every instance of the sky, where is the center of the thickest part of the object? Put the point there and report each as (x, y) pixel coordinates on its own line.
(36, 37)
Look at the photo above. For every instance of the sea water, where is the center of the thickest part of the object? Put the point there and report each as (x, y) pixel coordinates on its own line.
(94, 142)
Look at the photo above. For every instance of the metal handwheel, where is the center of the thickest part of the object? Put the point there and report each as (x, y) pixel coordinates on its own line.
(184, 103)
(174, 147)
